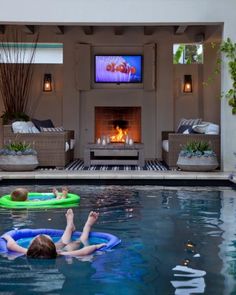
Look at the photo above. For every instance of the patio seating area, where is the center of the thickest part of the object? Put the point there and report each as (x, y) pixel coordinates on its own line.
(53, 148)
(176, 141)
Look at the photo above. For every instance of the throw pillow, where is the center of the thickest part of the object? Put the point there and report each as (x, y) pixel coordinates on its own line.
(52, 129)
(200, 128)
(212, 129)
(24, 127)
(43, 123)
(185, 129)
(189, 122)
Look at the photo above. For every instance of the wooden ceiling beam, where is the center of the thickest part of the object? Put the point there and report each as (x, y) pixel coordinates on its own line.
(148, 30)
(88, 30)
(29, 29)
(118, 30)
(60, 30)
(2, 29)
(180, 30)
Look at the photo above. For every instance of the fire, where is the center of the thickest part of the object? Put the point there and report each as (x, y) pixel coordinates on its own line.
(120, 135)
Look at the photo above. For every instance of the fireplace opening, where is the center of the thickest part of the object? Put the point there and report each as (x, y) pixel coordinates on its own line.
(118, 124)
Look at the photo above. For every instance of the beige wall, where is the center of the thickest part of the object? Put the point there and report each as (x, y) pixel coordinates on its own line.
(161, 108)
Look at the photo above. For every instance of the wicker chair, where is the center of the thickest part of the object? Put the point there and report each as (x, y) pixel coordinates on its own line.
(50, 146)
(177, 140)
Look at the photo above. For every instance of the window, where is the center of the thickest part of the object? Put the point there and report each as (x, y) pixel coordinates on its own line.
(188, 54)
(45, 53)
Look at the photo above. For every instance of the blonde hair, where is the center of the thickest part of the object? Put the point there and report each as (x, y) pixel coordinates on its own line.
(19, 194)
(42, 247)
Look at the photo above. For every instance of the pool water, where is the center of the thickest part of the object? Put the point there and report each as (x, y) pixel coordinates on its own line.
(174, 241)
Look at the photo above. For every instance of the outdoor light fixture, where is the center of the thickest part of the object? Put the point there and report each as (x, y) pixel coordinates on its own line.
(47, 83)
(188, 86)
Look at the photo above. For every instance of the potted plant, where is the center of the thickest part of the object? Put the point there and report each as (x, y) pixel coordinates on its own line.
(197, 156)
(18, 156)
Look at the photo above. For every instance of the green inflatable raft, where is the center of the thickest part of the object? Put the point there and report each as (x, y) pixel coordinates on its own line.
(40, 200)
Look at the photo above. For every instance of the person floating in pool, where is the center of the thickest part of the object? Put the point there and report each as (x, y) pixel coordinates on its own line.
(21, 194)
(42, 246)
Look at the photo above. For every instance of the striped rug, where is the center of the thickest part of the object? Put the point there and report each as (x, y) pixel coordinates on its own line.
(153, 165)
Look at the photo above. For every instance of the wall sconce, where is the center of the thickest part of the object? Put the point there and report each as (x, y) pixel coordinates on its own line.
(47, 83)
(188, 85)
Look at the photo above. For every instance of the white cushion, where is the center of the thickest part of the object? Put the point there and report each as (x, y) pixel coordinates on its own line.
(72, 144)
(24, 127)
(165, 145)
(212, 129)
(200, 128)
(67, 146)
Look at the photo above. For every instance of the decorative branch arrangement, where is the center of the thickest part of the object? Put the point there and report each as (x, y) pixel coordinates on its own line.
(16, 73)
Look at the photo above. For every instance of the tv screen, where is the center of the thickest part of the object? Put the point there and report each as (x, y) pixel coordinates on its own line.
(118, 68)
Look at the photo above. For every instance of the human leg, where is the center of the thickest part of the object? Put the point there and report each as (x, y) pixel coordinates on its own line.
(70, 227)
(92, 218)
(83, 240)
(56, 193)
(62, 195)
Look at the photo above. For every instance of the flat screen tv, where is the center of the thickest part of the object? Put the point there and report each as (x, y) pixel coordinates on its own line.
(118, 69)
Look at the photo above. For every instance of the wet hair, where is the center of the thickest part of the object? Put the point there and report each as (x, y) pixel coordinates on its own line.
(19, 194)
(42, 247)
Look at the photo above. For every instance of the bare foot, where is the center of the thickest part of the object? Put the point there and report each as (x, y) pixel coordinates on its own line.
(70, 219)
(64, 192)
(55, 191)
(92, 218)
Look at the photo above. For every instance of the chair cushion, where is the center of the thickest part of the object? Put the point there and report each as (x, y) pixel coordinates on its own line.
(24, 127)
(165, 145)
(212, 129)
(43, 123)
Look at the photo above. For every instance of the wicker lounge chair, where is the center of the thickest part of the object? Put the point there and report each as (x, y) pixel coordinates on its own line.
(50, 146)
(177, 140)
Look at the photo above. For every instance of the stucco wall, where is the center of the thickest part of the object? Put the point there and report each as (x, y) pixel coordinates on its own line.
(73, 108)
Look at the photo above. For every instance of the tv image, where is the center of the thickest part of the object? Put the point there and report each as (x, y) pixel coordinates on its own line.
(118, 69)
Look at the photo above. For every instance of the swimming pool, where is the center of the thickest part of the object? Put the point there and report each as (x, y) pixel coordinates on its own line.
(154, 225)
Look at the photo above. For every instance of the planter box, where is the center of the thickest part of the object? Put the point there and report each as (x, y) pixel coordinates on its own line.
(196, 163)
(18, 162)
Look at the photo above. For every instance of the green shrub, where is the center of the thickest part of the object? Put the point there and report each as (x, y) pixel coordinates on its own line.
(18, 148)
(197, 148)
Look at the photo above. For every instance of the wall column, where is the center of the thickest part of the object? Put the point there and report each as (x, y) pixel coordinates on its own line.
(228, 121)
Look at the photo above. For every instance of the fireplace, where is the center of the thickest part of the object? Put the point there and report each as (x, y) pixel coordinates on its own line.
(118, 123)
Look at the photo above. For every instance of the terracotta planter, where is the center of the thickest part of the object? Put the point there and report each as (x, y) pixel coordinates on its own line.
(18, 162)
(197, 163)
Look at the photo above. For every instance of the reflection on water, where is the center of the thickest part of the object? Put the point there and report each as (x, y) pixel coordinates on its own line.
(174, 241)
